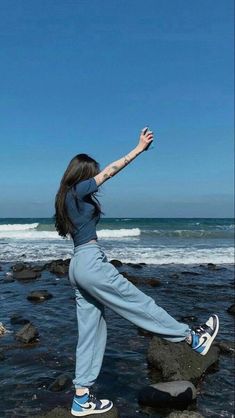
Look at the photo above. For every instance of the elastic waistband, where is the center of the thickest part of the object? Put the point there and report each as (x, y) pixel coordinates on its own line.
(81, 247)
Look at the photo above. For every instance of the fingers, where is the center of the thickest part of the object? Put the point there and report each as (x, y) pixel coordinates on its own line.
(146, 132)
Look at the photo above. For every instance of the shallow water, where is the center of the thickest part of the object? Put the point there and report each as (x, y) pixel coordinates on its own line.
(27, 372)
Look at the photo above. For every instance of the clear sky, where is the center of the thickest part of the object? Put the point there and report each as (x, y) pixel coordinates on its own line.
(80, 76)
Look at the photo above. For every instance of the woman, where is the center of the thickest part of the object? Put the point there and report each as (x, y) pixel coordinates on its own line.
(97, 283)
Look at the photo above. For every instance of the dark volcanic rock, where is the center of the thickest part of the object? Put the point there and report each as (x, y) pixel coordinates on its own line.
(39, 295)
(17, 319)
(27, 334)
(62, 382)
(231, 309)
(116, 263)
(25, 275)
(135, 265)
(20, 266)
(226, 347)
(192, 273)
(59, 267)
(65, 413)
(177, 394)
(152, 282)
(177, 361)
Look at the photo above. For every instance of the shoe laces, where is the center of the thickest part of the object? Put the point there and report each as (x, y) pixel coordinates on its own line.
(92, 397)
(199, 329)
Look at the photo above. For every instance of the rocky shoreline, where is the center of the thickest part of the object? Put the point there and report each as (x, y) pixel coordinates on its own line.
(176, 372)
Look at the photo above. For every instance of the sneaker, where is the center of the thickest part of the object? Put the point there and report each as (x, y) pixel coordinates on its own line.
(203, 335)
(87, 404)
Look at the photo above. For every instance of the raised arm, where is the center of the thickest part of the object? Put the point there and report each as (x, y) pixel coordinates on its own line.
(146, 137)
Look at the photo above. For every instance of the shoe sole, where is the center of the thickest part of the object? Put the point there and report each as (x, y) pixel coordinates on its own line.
(91, 412)
(211, 339)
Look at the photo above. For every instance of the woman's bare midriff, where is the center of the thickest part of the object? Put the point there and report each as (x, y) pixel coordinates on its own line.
(92, 240)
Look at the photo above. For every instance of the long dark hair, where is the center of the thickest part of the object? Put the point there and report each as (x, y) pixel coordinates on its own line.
(81, 167)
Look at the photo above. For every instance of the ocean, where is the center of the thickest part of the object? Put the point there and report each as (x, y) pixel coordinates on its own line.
(149, 240)
(175, 251)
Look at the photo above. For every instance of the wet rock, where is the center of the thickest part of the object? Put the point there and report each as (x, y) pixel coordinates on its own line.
(168, 394)
(2, 329)
(38, 267)
(152, 282)
(184, 414)
(39, 295)
(65, 413)
(135, 265)
(226, 347)
(192, 273)
(18, 320)
(116, 263)
(231, 309)
(212, 266)
(25, 275)
(59, 267)
(61, 382)
(19, 266)
(27, 333)
(177, 361)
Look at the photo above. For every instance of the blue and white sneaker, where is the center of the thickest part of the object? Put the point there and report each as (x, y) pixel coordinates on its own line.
(203, 335)
(87, 404)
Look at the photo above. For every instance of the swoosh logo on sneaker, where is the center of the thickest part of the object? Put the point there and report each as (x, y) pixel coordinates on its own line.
(84, 407)
(200, 345)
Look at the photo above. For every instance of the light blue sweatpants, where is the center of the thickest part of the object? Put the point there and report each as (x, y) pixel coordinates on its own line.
(97, 283)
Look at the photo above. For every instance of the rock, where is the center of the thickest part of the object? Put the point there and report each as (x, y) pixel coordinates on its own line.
(169, 394)
(135, 265)
(152, 282)
(26, 275)
(192, 273)
(184, 414)
(17, 319)
(62, 382)
(177, 361)
(19, 267)
(116, 263)
(231, 309)
(27, 333)
(39, 295)
(59, 267)
(2, 329)
(65, 413)
(226, 347)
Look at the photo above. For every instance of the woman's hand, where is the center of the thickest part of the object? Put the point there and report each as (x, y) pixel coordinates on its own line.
(146, 137)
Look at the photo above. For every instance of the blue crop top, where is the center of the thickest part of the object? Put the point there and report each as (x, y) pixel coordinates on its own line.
(85, 225)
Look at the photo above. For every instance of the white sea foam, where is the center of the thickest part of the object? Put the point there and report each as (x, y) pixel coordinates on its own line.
(32, 234)
(161, 254)
(118, 233)
(17, 227)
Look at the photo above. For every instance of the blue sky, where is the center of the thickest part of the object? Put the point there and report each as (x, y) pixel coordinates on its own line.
(86, 76)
